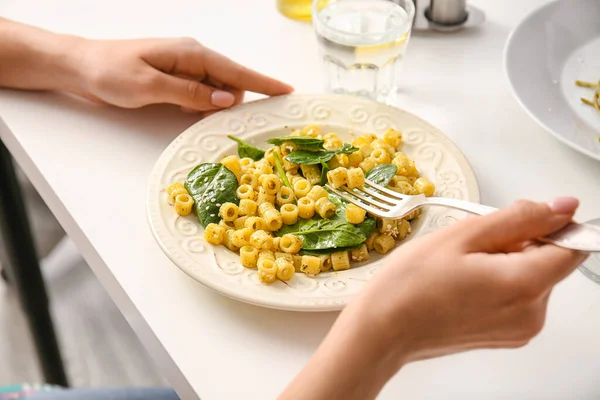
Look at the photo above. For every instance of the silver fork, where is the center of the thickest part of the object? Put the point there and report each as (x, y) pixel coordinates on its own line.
(385, 203)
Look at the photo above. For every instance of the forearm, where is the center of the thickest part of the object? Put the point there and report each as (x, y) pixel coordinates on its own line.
(354, 362)
(32, 58)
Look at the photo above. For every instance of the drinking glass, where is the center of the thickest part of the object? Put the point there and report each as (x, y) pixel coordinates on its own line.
(362, 44)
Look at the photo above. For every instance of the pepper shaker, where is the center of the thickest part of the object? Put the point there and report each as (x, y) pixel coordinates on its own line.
(445, 15)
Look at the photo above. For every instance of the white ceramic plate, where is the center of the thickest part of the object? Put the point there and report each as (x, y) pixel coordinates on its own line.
(554, 46)
(218, 268)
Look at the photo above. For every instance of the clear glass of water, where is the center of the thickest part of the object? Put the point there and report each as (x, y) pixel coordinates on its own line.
(362, 44)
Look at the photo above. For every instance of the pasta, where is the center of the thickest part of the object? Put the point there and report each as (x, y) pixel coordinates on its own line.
(290, 243)
(184, 204)
(311, 173)
(240, 222)
(270, 183)
(356, 178)
(249, 256)
(273, 219)
(214, 234)
(337, 177)
(317, 192)
(393, 138)
(261, 240)
(362, 254)
(306, 207)
(325, 263)
(285, 196)
(367, 164)
(245, 192)
(228, 212)
(340, 261)
(424, 186)
(354, 214)
(174, 190)
(247, 207)
(241, 237)
(232, 163)
(285, 269)
(310, 265)
(301, 187)
(325, 208)
(255, 223)
(280, 216)
(384, 243)
(289, 214)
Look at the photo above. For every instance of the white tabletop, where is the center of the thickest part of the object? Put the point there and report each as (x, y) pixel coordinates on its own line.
(91, 165)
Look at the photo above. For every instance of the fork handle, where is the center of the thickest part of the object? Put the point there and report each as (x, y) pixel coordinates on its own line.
(583, 237)
(463, 205)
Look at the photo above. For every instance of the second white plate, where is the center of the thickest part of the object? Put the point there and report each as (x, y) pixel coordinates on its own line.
(544, 56)
(218, 268)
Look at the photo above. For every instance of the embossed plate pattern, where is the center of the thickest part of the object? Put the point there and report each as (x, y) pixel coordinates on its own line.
(218, 268)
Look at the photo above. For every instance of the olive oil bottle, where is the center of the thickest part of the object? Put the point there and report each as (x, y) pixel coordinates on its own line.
(296, 9)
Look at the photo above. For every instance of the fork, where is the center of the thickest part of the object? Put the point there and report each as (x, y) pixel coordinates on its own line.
(385, 203)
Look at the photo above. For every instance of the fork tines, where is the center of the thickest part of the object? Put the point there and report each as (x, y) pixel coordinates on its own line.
(373, 201)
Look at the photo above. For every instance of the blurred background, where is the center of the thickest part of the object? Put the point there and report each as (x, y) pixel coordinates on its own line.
(99, 347)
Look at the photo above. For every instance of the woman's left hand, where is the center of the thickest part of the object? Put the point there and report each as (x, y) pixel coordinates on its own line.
(135, 73)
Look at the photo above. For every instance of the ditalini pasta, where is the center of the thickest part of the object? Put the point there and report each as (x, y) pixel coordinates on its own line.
(273, 207)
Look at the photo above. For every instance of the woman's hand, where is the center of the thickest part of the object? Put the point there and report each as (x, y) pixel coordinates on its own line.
(126, 73)
(134, 73)
(481, 283)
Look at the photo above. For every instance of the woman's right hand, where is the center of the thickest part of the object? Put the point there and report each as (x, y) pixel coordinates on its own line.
(480, 283)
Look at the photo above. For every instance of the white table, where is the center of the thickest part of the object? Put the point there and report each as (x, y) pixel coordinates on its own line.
(91, 163)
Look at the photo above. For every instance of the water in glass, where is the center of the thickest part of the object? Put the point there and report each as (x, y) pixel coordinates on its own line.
(362, 44)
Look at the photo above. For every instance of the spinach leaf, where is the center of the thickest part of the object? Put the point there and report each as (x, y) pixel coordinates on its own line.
(318, 157)
(309, 157)
(382, 174)
(280, 171)
(346, 148)
(211, 185)
(326, 236)
(245, 149)
(324, 171)
(329, 234)
(325, 252)
(301, 142)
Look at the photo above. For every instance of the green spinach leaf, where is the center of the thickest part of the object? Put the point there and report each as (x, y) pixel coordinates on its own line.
(382, 174)
(329, 234)
(245, 149)
(211, 185)
(309, 157)
(318, 157)
(301, 142)
(281, 172)
(324, 171)
(326, 236)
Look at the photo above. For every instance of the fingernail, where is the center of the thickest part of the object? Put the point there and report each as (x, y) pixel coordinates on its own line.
(221, 98)
(564, 205)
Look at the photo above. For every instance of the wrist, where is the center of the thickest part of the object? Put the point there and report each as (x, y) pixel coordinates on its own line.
(37, 59)
(355, 360)
(63, 58)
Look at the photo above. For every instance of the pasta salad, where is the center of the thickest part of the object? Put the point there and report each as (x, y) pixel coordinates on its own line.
(272, 206)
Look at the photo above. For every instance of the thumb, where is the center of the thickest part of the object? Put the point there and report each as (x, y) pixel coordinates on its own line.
(190, 94)
(522, 221)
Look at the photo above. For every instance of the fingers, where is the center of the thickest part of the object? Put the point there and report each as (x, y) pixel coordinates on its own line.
(233, 74)
(220, 68)
(524, 220)
(190, 94)
(548, 264)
